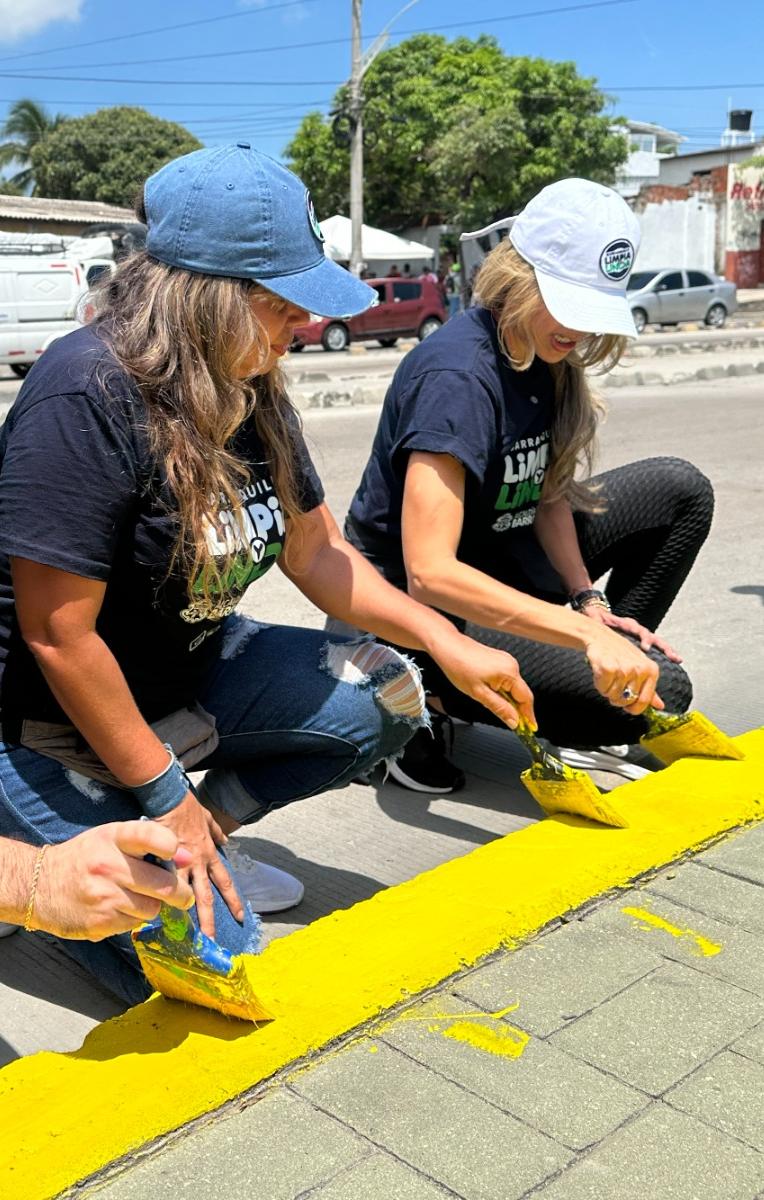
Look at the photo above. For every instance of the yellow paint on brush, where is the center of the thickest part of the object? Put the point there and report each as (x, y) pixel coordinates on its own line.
(651, 920)
(141, 1075)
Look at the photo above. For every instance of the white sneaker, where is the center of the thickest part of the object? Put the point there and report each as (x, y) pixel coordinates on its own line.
(268, 889)
(6, 930)
(606, 758)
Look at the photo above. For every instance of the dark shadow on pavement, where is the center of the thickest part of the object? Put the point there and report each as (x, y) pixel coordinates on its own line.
(32, 966)
(492, 760)
(7, 1053)
(326, 888)
(749, 589)
(413, 808)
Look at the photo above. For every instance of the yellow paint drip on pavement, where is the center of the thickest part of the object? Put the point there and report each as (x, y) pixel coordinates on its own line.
(508, 1042)
(651, 920)
(141, 1075)
(505, 1040)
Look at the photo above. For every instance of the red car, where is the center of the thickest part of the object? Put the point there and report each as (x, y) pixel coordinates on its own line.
(406, 308)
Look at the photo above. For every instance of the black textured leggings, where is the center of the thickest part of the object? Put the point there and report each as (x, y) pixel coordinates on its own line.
(657, 517)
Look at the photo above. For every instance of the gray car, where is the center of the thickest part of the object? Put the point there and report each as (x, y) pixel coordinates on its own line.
(670, 296)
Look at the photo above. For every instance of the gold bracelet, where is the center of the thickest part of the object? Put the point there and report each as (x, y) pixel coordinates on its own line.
(593, 602)
(33, 892)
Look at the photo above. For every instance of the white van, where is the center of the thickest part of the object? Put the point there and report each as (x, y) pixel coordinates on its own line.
(39, 298)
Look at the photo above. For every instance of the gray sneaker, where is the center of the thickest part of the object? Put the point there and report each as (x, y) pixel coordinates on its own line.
(268, 889)
(6, 929)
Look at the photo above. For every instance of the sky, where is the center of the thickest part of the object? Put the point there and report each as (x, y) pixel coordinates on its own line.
(233, 69)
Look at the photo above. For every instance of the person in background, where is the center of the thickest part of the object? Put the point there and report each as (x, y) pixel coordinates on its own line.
(470, 498)
(394, 272)
(452, 285)
(152, 469)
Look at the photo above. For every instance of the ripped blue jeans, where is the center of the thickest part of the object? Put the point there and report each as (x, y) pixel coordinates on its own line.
(297, 712)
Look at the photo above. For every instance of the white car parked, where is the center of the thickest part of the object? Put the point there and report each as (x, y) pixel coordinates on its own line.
(672, 295)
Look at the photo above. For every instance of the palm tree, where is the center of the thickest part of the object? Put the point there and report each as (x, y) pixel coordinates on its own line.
(27, 124)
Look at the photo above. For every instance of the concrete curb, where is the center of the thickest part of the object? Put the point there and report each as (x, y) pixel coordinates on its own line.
(65, 1117)
(664, 377)
(372, 392)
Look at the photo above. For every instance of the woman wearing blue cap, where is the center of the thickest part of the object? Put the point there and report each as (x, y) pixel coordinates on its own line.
(152, 469)
(470, 498)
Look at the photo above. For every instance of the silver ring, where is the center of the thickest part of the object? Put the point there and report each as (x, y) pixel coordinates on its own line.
(628, 694)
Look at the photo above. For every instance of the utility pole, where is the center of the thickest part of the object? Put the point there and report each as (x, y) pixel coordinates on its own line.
(356, 144)
(359, 65)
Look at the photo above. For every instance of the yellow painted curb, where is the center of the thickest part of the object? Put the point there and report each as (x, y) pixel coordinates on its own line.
(65, 1116)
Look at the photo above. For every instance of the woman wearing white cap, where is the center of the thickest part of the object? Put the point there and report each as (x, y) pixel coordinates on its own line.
(152, 468)
(470, 500)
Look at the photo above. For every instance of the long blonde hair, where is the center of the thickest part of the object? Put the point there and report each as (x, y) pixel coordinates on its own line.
(181, 336)
(506, 284)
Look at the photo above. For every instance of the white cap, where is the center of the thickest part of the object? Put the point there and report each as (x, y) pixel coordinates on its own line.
(581, 238)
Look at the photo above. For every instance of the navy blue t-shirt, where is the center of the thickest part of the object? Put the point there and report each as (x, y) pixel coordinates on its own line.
(455, 393)
(79, 491)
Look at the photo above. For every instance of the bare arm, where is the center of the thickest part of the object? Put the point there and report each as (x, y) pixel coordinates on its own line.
(556, 531)
(339, 580)
(433, 516)
(57, 614)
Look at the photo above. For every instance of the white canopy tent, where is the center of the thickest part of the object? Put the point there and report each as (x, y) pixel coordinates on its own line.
(378, 246)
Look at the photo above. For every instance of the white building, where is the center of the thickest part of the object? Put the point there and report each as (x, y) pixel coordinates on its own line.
(649, 145)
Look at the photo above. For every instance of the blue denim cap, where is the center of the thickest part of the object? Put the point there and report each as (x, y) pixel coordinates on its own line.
(233, 211)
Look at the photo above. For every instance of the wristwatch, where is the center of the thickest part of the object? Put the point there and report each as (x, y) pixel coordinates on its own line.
(580, 600)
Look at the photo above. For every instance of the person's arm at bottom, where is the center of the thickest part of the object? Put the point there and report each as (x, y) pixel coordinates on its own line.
(94, 885)
(58, 619)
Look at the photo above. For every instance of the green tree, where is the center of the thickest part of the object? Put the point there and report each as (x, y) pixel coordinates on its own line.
(107, 155)
(26, 125)
(459, 131)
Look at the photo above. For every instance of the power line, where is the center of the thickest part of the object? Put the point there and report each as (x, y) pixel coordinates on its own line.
(345, 40)
(184, 82)
(205, 104)
(231, 121)
(122, 37)
(541, 12)
(685, 87)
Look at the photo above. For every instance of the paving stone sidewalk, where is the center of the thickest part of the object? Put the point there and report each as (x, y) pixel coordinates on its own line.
(618, 1056)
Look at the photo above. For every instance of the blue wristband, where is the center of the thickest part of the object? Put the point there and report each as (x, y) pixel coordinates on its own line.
(161, 795)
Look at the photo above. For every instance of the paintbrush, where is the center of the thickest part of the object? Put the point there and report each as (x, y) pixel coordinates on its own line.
(558, 788)
(685, 735)
(183, 963)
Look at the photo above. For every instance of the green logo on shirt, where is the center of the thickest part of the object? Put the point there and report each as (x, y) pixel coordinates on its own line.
(524, 472)
(254, 535)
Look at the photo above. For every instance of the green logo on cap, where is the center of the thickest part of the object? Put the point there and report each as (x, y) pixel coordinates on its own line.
(313, 219)
(617, 259)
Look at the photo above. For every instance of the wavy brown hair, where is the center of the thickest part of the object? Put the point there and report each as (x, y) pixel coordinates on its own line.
(506, 284)
(182, 336)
